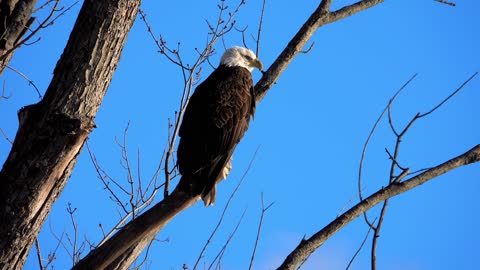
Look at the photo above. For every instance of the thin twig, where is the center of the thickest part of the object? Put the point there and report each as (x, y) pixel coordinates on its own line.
(47, 3)
(52, 255)
(48, 21)
(244, 42)
(257, 51)
(346, 205)
(392, 158)
(128, 169)
(220, 220)
(446, 2)
(360, 247)
(405, 171)
(60, 241)
(3, 96)
(309, 48)
(6, 136)
(230, 237)
(367, 141)
(450, 96)
(264, 209)
(390, 120)
(30, 82)
(39, 254)
(104, 177)
(419, 171)
(139, 179)
(76, 252)
(145, 197)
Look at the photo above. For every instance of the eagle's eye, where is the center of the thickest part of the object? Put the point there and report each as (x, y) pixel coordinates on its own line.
(249, 58)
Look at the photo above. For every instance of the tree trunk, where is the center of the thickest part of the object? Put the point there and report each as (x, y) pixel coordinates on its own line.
(15, 18)
(51, 133)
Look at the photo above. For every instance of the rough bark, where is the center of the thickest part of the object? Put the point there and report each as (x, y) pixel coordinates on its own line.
(51, 133)
(15, 18)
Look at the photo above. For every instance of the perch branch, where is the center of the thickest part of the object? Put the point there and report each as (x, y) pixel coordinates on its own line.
(318, 19)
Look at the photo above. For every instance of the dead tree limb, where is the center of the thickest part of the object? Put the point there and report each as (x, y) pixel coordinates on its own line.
(320, 17)
(307, 246)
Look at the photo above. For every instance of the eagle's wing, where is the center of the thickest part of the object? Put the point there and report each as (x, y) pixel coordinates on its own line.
(214, 121)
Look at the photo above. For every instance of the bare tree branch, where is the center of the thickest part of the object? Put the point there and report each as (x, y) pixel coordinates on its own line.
(6, 136)
(446, 2)
(318, 19)
(450, 96)
(307, 246)
(39, 254)
(259, 32)
(143, 197)
(13, 40)
(30, 82)
(367, 141)
(405, 171)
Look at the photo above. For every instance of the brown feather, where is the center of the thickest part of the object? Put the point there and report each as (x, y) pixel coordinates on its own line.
(214, 122)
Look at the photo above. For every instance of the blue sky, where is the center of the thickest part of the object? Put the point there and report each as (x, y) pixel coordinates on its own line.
(310, 128)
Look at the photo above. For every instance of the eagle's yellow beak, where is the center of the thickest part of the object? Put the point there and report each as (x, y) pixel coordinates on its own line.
(258, 64)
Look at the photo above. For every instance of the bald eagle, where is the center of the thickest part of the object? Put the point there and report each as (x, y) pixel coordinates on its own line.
(214, 122)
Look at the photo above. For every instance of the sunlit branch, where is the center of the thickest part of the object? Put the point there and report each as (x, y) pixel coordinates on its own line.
(318, 19)
(405, 171)
(307, 246)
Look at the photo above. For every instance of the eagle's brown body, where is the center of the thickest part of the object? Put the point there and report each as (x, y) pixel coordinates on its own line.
(215, 120)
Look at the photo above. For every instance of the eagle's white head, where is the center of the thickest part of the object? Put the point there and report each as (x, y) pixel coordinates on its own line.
(241, 57)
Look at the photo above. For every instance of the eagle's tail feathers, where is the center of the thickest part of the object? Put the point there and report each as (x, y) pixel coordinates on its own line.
(209, 198)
